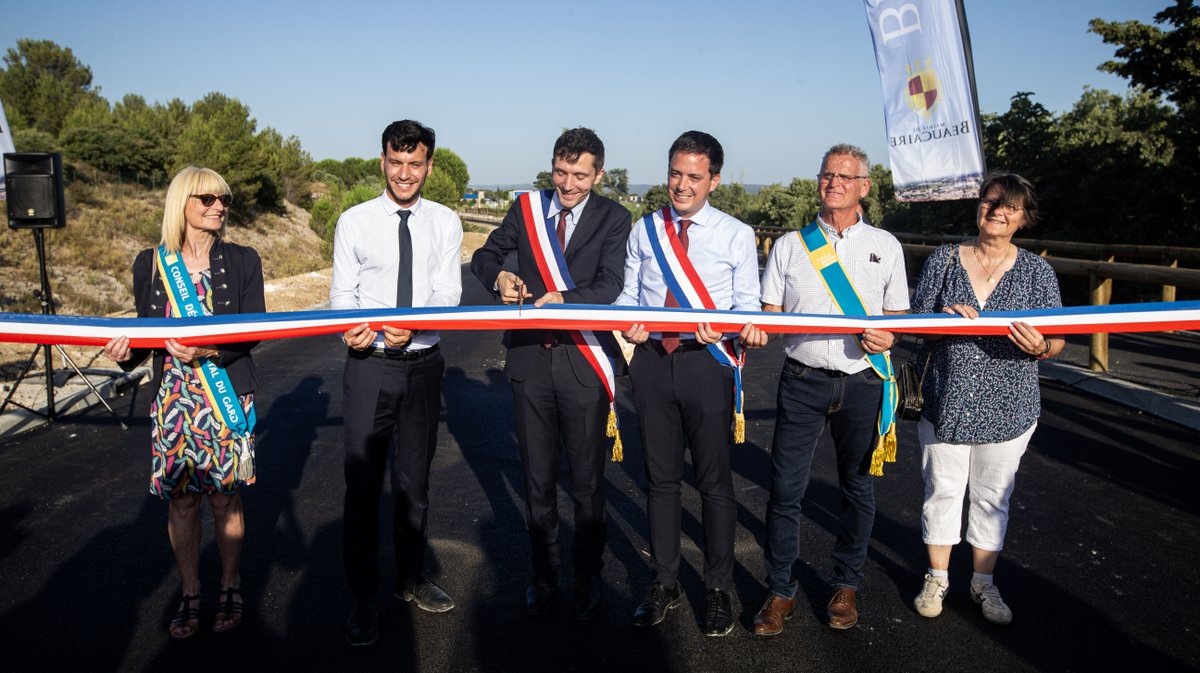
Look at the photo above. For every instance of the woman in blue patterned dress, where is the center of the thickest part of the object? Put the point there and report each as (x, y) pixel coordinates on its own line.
(982, 399)
(194, 453)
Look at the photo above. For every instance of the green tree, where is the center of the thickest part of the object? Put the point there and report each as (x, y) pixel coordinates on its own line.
(41, 83)
(655, 198)
(440, 187)
(221, 135)
(543, 180)
(453, 167)
(1164, 60)
(615, 183)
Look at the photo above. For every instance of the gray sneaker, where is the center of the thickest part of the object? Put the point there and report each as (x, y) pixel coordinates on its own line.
(929, 602)
(994, 609)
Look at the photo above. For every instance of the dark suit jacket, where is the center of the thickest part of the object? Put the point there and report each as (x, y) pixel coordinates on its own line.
(237, 282)
(595, 258)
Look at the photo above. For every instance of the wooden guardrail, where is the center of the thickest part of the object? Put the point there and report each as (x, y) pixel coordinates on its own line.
(1101, 273)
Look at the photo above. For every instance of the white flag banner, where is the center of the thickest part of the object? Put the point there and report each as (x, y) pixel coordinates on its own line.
(6, 145)
(932, 114)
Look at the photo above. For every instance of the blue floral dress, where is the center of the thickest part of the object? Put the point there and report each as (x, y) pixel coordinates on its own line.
(981, 389)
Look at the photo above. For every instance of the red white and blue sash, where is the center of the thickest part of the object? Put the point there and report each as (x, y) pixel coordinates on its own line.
(685, 284)
(598, 348)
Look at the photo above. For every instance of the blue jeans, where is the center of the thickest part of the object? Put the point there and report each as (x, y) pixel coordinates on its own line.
(807, 399)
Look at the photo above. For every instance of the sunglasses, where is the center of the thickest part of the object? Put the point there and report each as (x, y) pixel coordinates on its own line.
(208, 199)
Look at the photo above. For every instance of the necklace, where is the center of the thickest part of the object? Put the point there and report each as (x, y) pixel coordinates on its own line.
(992, 271)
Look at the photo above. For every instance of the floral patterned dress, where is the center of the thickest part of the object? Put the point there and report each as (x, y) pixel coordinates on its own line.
(192, 449)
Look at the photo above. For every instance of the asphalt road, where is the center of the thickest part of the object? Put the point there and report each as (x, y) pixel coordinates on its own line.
(1100, 567)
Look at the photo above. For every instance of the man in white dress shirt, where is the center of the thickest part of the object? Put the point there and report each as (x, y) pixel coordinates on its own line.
(396, 250)
(683, 394)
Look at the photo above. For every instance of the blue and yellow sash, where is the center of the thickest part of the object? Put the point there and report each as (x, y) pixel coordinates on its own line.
(214, 381)
(846, 298)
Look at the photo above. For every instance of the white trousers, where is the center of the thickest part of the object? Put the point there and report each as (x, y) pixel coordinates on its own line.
(989, 470)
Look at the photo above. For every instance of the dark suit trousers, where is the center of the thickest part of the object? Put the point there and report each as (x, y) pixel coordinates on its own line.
(390, 406)
(686, 397)
(554, 411)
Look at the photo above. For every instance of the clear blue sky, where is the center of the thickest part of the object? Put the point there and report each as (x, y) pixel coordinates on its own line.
(777, 82)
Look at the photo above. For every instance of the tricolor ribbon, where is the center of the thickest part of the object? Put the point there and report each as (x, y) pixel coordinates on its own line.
(218, 329)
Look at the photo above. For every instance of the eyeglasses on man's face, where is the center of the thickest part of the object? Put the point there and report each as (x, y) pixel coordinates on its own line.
(840, 177)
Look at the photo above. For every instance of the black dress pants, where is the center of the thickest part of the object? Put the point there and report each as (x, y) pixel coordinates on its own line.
(686, 398)
(390, 406)
(556, 414)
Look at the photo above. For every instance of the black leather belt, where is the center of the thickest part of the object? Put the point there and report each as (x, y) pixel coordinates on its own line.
(831, 373)
(403, 355)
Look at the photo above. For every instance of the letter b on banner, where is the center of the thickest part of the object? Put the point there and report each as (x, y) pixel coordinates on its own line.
(894, 23)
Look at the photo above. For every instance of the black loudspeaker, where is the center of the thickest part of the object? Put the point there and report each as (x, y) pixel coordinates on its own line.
(35, 190)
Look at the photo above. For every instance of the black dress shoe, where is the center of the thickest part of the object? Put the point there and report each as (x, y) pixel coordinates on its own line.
(540, 595)
(589, 596)
(362, 628)
(654, 607)
(718, 612)
(427, 595)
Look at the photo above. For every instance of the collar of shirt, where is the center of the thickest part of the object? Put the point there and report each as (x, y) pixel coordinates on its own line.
(848, 231)
(702, 216)
(392, 207)
(556, 207)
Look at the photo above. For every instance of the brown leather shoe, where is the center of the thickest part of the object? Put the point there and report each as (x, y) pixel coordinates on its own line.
(843, 608)
(769, 620)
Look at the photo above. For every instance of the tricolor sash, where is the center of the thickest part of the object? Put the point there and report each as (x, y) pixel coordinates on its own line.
(686, 285)
(551, 262)
(847, 300)
(213, 380)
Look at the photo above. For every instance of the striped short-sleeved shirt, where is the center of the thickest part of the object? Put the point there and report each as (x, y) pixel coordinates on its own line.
(874, 261)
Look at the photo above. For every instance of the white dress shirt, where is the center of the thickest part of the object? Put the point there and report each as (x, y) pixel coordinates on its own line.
(720, 247)
(874, 261)
(366, 257)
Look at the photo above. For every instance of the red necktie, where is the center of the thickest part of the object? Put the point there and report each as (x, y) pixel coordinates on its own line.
(670, 340)
(562, 229)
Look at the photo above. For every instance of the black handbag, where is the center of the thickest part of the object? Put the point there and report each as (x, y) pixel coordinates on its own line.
(908, 384)
(908, 381)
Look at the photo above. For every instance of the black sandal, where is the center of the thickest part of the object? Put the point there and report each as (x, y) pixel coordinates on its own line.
(186, 622)
(229, 610)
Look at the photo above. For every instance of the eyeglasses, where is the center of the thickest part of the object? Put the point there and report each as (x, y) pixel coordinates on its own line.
(840, 177)
(992, 205)
(208, 199)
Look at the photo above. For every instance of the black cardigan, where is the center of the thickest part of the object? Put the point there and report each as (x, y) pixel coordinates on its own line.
(237, 287)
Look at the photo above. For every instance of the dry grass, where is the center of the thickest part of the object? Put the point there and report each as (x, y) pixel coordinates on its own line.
(89, 260)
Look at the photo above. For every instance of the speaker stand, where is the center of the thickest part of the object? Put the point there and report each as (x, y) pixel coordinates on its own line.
(51, 415)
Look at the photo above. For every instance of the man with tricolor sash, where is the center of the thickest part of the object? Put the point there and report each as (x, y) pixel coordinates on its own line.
(687, 387)
(838, 264)
(570, 248)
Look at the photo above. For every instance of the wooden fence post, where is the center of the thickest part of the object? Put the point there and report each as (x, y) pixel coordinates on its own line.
(1168, 291)
(1101, 294)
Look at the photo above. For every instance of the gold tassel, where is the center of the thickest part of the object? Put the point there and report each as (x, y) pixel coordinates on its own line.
(877, 459)
(611, 430)
(739, 425)
(889, 444)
